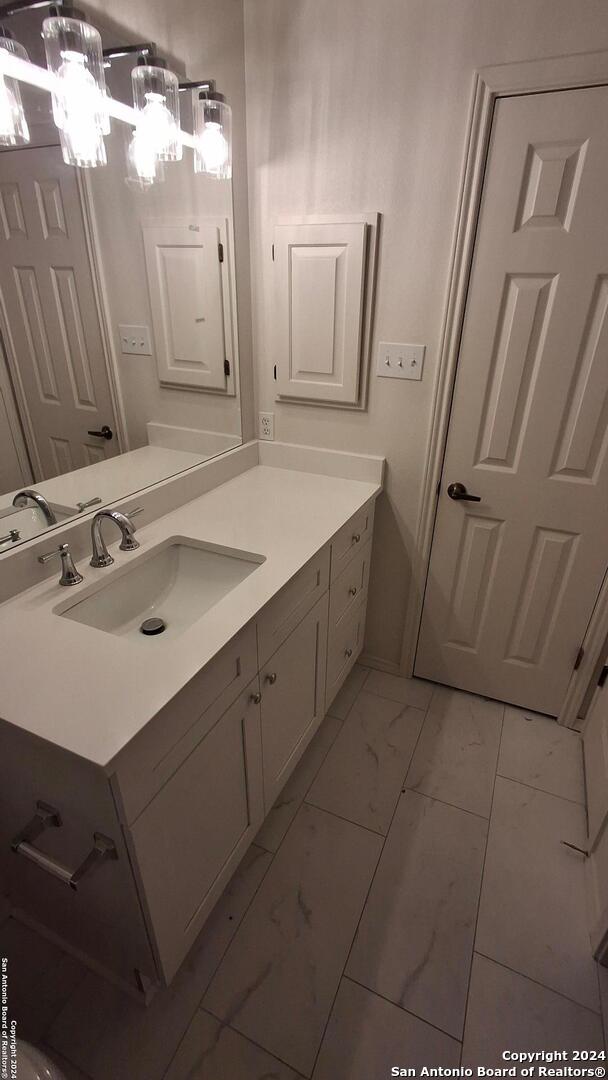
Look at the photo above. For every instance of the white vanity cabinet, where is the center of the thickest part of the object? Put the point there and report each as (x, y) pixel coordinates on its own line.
(182, 801)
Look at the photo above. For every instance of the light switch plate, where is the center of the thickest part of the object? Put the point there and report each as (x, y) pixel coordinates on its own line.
(135, 340)
(395, 361)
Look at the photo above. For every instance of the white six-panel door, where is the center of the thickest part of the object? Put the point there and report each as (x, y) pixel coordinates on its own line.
(50, 315)
(513, 578)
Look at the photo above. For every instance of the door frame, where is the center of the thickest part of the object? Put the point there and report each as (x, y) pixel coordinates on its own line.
(9, 357)
(489, 84)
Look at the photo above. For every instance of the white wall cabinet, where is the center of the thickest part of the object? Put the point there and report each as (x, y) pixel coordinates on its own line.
(189, 285)
(189, 793)
(324, 274)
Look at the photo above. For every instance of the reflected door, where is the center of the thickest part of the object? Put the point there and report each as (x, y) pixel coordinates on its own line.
(50, 314)
(514, 576)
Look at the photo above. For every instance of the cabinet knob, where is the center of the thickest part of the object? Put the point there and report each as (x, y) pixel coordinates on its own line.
(348, 653)
(271, 678)
(356, 538)
(255, 698)
(352, 591)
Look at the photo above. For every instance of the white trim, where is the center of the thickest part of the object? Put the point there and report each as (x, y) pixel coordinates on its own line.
(489, 84)
(593, 659)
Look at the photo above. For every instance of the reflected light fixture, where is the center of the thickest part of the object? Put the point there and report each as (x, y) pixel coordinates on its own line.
(213, 131)
(74, 55)
(157, 136)
(13, 125)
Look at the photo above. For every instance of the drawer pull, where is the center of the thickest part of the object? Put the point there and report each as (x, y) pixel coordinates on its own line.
(356, 538)
(348, 653)
(272, 678)
(47, 817)
(352, 591)
(255, 698)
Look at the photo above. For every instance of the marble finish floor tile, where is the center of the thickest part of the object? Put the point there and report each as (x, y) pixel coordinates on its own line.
(277, 982)
(532, 915)
(213, 1051)
(41, 979)
(363, 774)
(456, 755)
(292, 796)
(415, 938)
(540, 752)
(508, 1011)
(417, 692)
(367, 1036)
(345, 698)
(143, 1040)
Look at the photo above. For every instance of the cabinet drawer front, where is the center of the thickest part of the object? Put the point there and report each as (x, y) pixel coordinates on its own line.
(351, 538)
(293, 698)
(349, 587)
(345, 644)
(286, 610)
(154, 755)
(190, 839)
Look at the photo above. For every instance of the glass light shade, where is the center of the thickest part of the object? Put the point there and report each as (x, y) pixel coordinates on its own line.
(213, 130)
(13, 125)
(156, 99)
(143, 166)
(74, 54)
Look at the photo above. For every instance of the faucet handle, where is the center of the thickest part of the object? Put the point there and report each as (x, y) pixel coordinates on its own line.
(69, 573)
(82, 506)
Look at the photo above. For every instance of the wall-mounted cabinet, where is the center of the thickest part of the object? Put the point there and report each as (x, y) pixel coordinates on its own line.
(189, 280)
(324, 281)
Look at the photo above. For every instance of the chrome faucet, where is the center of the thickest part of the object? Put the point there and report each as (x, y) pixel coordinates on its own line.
(69, 573)
(101, 556)
(21, 499)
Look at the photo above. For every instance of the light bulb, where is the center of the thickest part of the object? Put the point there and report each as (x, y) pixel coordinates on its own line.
(74, 54)
(213, 148)
(13, 125)
(143, 166)
(156, 99)
(156, 126)
(213, 126)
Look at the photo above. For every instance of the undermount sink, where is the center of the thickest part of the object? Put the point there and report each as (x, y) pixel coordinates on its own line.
(167, 590)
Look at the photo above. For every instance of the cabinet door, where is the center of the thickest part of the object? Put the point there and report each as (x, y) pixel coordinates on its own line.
(293, 698)
(190, 839)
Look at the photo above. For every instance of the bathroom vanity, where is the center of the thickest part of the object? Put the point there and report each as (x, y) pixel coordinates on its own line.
(136, 770)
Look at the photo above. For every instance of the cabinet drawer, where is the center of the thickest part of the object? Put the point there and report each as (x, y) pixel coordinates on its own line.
(158, 750)
(345, 644)
(349, 587)
(350, 539)
(188, 842)
(289, 607)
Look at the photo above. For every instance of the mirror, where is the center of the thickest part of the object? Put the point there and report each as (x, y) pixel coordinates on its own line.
(118, 323)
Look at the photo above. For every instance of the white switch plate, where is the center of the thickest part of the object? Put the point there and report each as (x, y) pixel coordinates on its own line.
(395, 361)
(135, 340)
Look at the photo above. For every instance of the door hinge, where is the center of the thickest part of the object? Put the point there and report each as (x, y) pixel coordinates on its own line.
(275, 372)
(579, 658)
(220, 252)
(273, 252)
(226, 367)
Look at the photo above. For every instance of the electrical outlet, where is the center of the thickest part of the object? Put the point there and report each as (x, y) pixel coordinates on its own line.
(395, 361)
(266, 425)
(135, 340)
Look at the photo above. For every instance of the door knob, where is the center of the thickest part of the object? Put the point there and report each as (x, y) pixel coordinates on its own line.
(460, 493)
(272, 678)
(105, 433)
(255, 698)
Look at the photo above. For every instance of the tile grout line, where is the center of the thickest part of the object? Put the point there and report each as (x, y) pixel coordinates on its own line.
(408, 1012)
(372, 879)
(542, 791)
(253, 1042)
(481, 882)
(543, 986)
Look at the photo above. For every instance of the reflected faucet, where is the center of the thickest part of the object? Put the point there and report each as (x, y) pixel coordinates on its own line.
(21, 499)
(101, 556)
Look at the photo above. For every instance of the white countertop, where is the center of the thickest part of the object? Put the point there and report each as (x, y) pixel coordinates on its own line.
(91, 692)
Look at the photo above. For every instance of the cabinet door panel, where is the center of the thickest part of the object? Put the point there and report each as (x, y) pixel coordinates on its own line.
(190, 839)
(293, 703)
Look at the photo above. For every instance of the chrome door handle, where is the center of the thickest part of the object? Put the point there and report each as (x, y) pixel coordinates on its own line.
(272, 678)
(460, 494)
(255, 698)
(352, 591)
(105, 433)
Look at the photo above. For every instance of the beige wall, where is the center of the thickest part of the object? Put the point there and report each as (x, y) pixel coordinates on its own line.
(361, 105)
(206, 37)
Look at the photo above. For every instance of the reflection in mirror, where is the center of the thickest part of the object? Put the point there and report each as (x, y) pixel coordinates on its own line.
(118, 323)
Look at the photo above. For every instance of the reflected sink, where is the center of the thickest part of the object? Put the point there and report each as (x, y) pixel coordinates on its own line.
(29, 520)
(175, 584)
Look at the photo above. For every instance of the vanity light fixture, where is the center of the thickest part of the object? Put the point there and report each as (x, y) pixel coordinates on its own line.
(213, 131)
(13, 125)
(156, 102)
(74, 55)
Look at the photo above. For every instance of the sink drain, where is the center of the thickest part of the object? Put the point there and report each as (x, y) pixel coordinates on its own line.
(153, 626)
